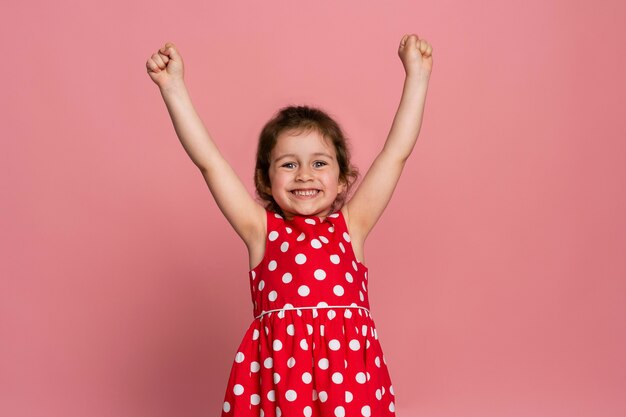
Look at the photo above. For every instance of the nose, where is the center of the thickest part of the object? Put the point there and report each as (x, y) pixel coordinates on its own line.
(303, 174)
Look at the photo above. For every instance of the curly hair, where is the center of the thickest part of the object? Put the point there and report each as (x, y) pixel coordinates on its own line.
(300, 119)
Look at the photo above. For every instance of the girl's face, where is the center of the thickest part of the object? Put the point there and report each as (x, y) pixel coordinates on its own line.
(304, 174)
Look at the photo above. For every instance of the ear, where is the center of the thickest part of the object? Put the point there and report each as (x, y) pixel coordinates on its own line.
(343, 186)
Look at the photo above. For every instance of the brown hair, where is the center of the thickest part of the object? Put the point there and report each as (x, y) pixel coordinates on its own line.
(300, 119)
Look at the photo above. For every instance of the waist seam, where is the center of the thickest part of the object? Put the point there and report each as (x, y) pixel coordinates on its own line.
(307, 308)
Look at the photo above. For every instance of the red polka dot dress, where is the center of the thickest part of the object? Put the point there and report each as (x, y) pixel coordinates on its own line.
(312, 348)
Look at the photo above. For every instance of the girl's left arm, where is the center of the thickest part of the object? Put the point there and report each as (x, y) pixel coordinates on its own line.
(373, 194)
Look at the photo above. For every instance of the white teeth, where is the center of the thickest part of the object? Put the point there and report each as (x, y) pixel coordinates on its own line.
(305, 193)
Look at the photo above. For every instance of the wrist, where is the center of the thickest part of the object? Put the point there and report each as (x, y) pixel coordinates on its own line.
(173, 87)
(417, 77)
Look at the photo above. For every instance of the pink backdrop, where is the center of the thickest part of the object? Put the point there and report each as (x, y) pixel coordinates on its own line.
(497, 272)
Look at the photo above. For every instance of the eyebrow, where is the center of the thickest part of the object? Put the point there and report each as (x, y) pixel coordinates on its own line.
(293, 156)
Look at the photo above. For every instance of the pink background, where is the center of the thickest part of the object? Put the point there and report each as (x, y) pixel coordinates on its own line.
(498, 275)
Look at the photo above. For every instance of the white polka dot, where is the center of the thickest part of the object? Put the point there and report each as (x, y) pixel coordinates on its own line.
(271, 395)
(334, 259)
(291, 362)
(378, 394)
(278, 412)
(309, 221)
(322, 304)
(364, 330)
(340, 411)
(268, 363)
(276, 377)
(391, 389)
(273, 235)
(346, 236)
(355, 345)
(360, 378)
(291, 330)
(272, 265)
(255, 366)
(309, 329)
(338, 290)
(239, 357)
(316, 243)
(377, 361)
(349, 277)
(323, 395)
(331, 229)
(306, 378)
(343, 249)
(291, 395)
(308, 411)
(288, 229)
(368, 375)
(226, 406)
(323, 363)
(300, 258)
(287, 278)
(347, 313)
(303, 290)
(337, 378)
(301, 237)
(349, 396)
(314, 394)
(238, 389)
(303, 344)
(324, 239)
(261, 285)
(255, 399)
(392, 407)
(331, 314)
(284, 246)
(319, 274)
(361, 296)
(272, 295)
(334, 344)
(354, 266)
(365, 411)
(278, 345)
(253, 273)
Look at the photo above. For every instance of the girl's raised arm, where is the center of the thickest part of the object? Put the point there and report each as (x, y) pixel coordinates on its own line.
(373, 194)
(245, 215)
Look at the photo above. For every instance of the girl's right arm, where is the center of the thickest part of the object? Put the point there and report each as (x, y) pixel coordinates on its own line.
(245, 215)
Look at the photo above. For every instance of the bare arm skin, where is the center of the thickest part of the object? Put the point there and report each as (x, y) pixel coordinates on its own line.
(244, 214)
(375, 191)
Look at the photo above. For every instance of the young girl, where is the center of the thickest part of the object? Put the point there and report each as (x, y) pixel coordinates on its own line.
(312, 349)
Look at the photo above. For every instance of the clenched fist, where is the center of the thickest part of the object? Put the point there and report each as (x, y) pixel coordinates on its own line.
(165, 67)
(416, 55)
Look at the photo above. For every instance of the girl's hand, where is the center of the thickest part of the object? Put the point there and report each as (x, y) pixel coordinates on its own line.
(416, 55)
(165, 67)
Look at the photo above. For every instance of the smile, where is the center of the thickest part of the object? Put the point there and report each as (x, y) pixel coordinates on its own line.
(305, 193)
